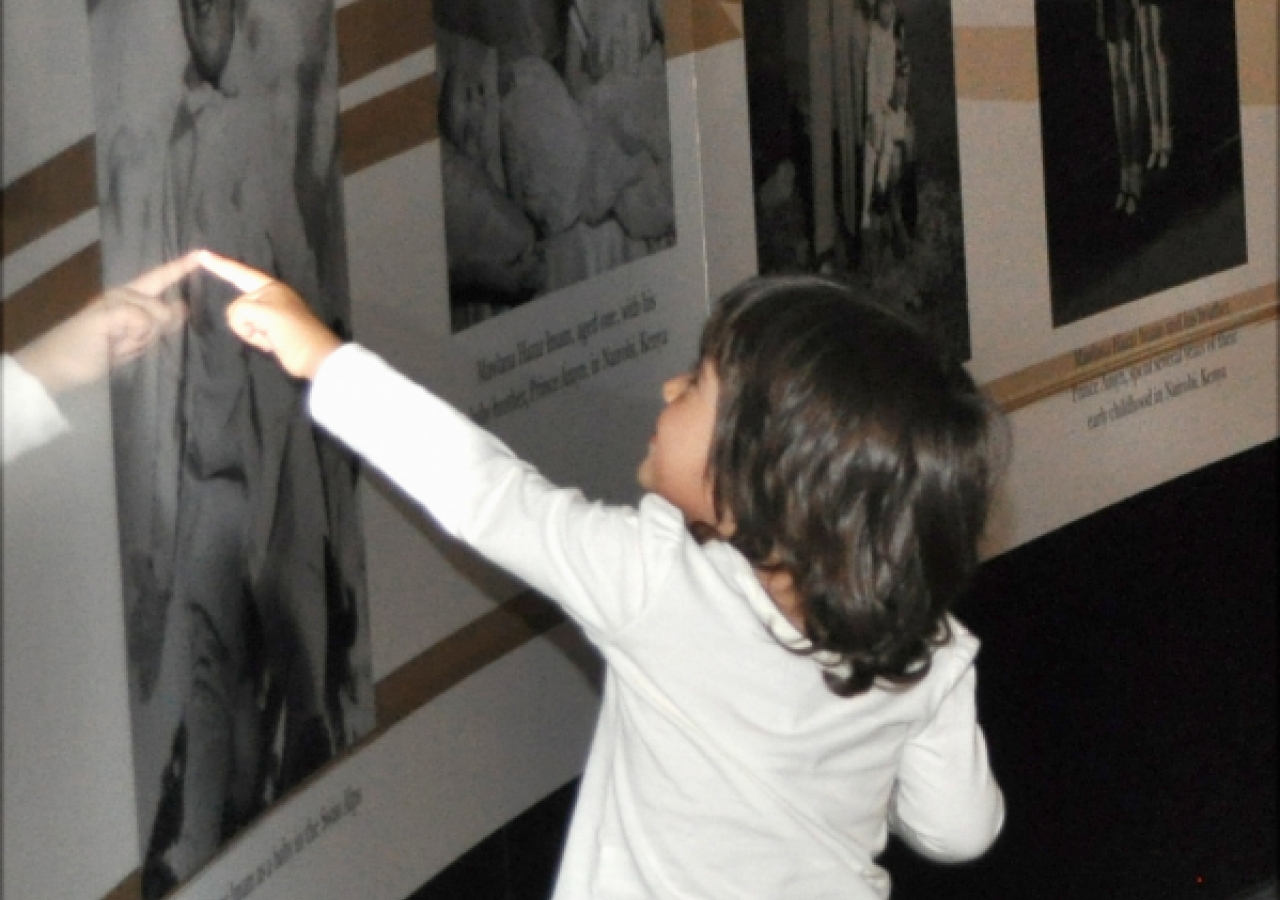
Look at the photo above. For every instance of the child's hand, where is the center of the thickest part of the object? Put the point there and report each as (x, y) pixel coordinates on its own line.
(111, 329)
(273, 318)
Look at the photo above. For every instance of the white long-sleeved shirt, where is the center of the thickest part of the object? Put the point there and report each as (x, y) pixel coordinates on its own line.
(31, 418)
(722, 766)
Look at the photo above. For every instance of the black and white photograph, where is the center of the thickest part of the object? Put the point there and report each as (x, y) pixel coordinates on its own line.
(241, 550)
(1140, 125)
(555, 145)
(855, 154)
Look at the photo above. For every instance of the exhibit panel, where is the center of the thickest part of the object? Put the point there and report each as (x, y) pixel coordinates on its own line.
(485, 698)
(67, 766)
(571, 380)
(1000, 224)
(241, 543)
(1169, 364)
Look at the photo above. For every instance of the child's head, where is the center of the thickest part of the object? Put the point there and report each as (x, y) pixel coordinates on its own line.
(851, 453)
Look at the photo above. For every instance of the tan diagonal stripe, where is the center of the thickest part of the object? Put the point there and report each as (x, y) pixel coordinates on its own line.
(1068, 370)
(712, 26)
(375, 33)
(463, 653)
(51, 194)
(996, 64)
(52, 297)
(1257, 22)
(677, 19)
(389, 124)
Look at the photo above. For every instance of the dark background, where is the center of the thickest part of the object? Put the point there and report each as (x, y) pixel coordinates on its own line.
(1190, 221)
(1127, 684)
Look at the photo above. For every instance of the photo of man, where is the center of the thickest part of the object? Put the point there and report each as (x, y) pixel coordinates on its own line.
(241, 550)
(855, 150)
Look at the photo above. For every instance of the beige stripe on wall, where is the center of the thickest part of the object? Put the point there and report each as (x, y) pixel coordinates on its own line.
(389, 124)
(54, 296)
(996, 64)
(1257, 24)
(1063, 372)
(50, 195)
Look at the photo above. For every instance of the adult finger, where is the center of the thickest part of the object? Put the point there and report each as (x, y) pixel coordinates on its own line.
(165, 314)
(133, 329)
(156, 280)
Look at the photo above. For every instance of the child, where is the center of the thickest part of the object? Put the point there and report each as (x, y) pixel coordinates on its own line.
(784, 683)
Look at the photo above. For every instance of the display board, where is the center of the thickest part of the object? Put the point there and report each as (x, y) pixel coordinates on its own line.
(1127, 349)
(969, 173)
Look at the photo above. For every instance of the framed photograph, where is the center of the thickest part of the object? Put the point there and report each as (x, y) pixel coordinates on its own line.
(1140, 126)
(241, 547)
(555, 143)
(854, 150)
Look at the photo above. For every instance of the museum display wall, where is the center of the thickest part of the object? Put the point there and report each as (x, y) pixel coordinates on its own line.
(391, 158)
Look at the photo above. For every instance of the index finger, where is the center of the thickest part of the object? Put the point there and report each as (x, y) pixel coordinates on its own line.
(243, 277)
(156, 280)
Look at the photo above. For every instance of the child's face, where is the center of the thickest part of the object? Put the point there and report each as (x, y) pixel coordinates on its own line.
(676, 465)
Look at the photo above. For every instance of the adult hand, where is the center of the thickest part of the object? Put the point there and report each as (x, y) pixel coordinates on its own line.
(111, 329)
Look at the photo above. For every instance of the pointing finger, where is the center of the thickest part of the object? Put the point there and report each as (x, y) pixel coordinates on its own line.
(245, 278)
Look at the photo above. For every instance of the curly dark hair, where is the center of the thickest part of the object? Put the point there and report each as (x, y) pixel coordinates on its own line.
(855, 455)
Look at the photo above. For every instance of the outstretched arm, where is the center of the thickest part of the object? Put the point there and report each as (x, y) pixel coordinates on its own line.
(584, 555)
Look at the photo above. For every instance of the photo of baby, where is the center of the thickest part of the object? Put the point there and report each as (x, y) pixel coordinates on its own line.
(555, 142)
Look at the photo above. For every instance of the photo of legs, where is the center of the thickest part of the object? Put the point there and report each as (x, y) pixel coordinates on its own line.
(1140, 125)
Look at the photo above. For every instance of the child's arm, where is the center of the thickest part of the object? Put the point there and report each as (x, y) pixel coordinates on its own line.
(584, 555)
(947, 804)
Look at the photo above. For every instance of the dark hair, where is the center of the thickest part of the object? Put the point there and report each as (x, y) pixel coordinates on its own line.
(856, 456)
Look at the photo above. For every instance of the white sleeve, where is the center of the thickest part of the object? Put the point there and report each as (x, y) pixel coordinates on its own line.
(586, 556)
(31, 418)
(946, 803)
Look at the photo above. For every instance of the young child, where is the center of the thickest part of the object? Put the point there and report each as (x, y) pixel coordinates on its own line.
(784, 682)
